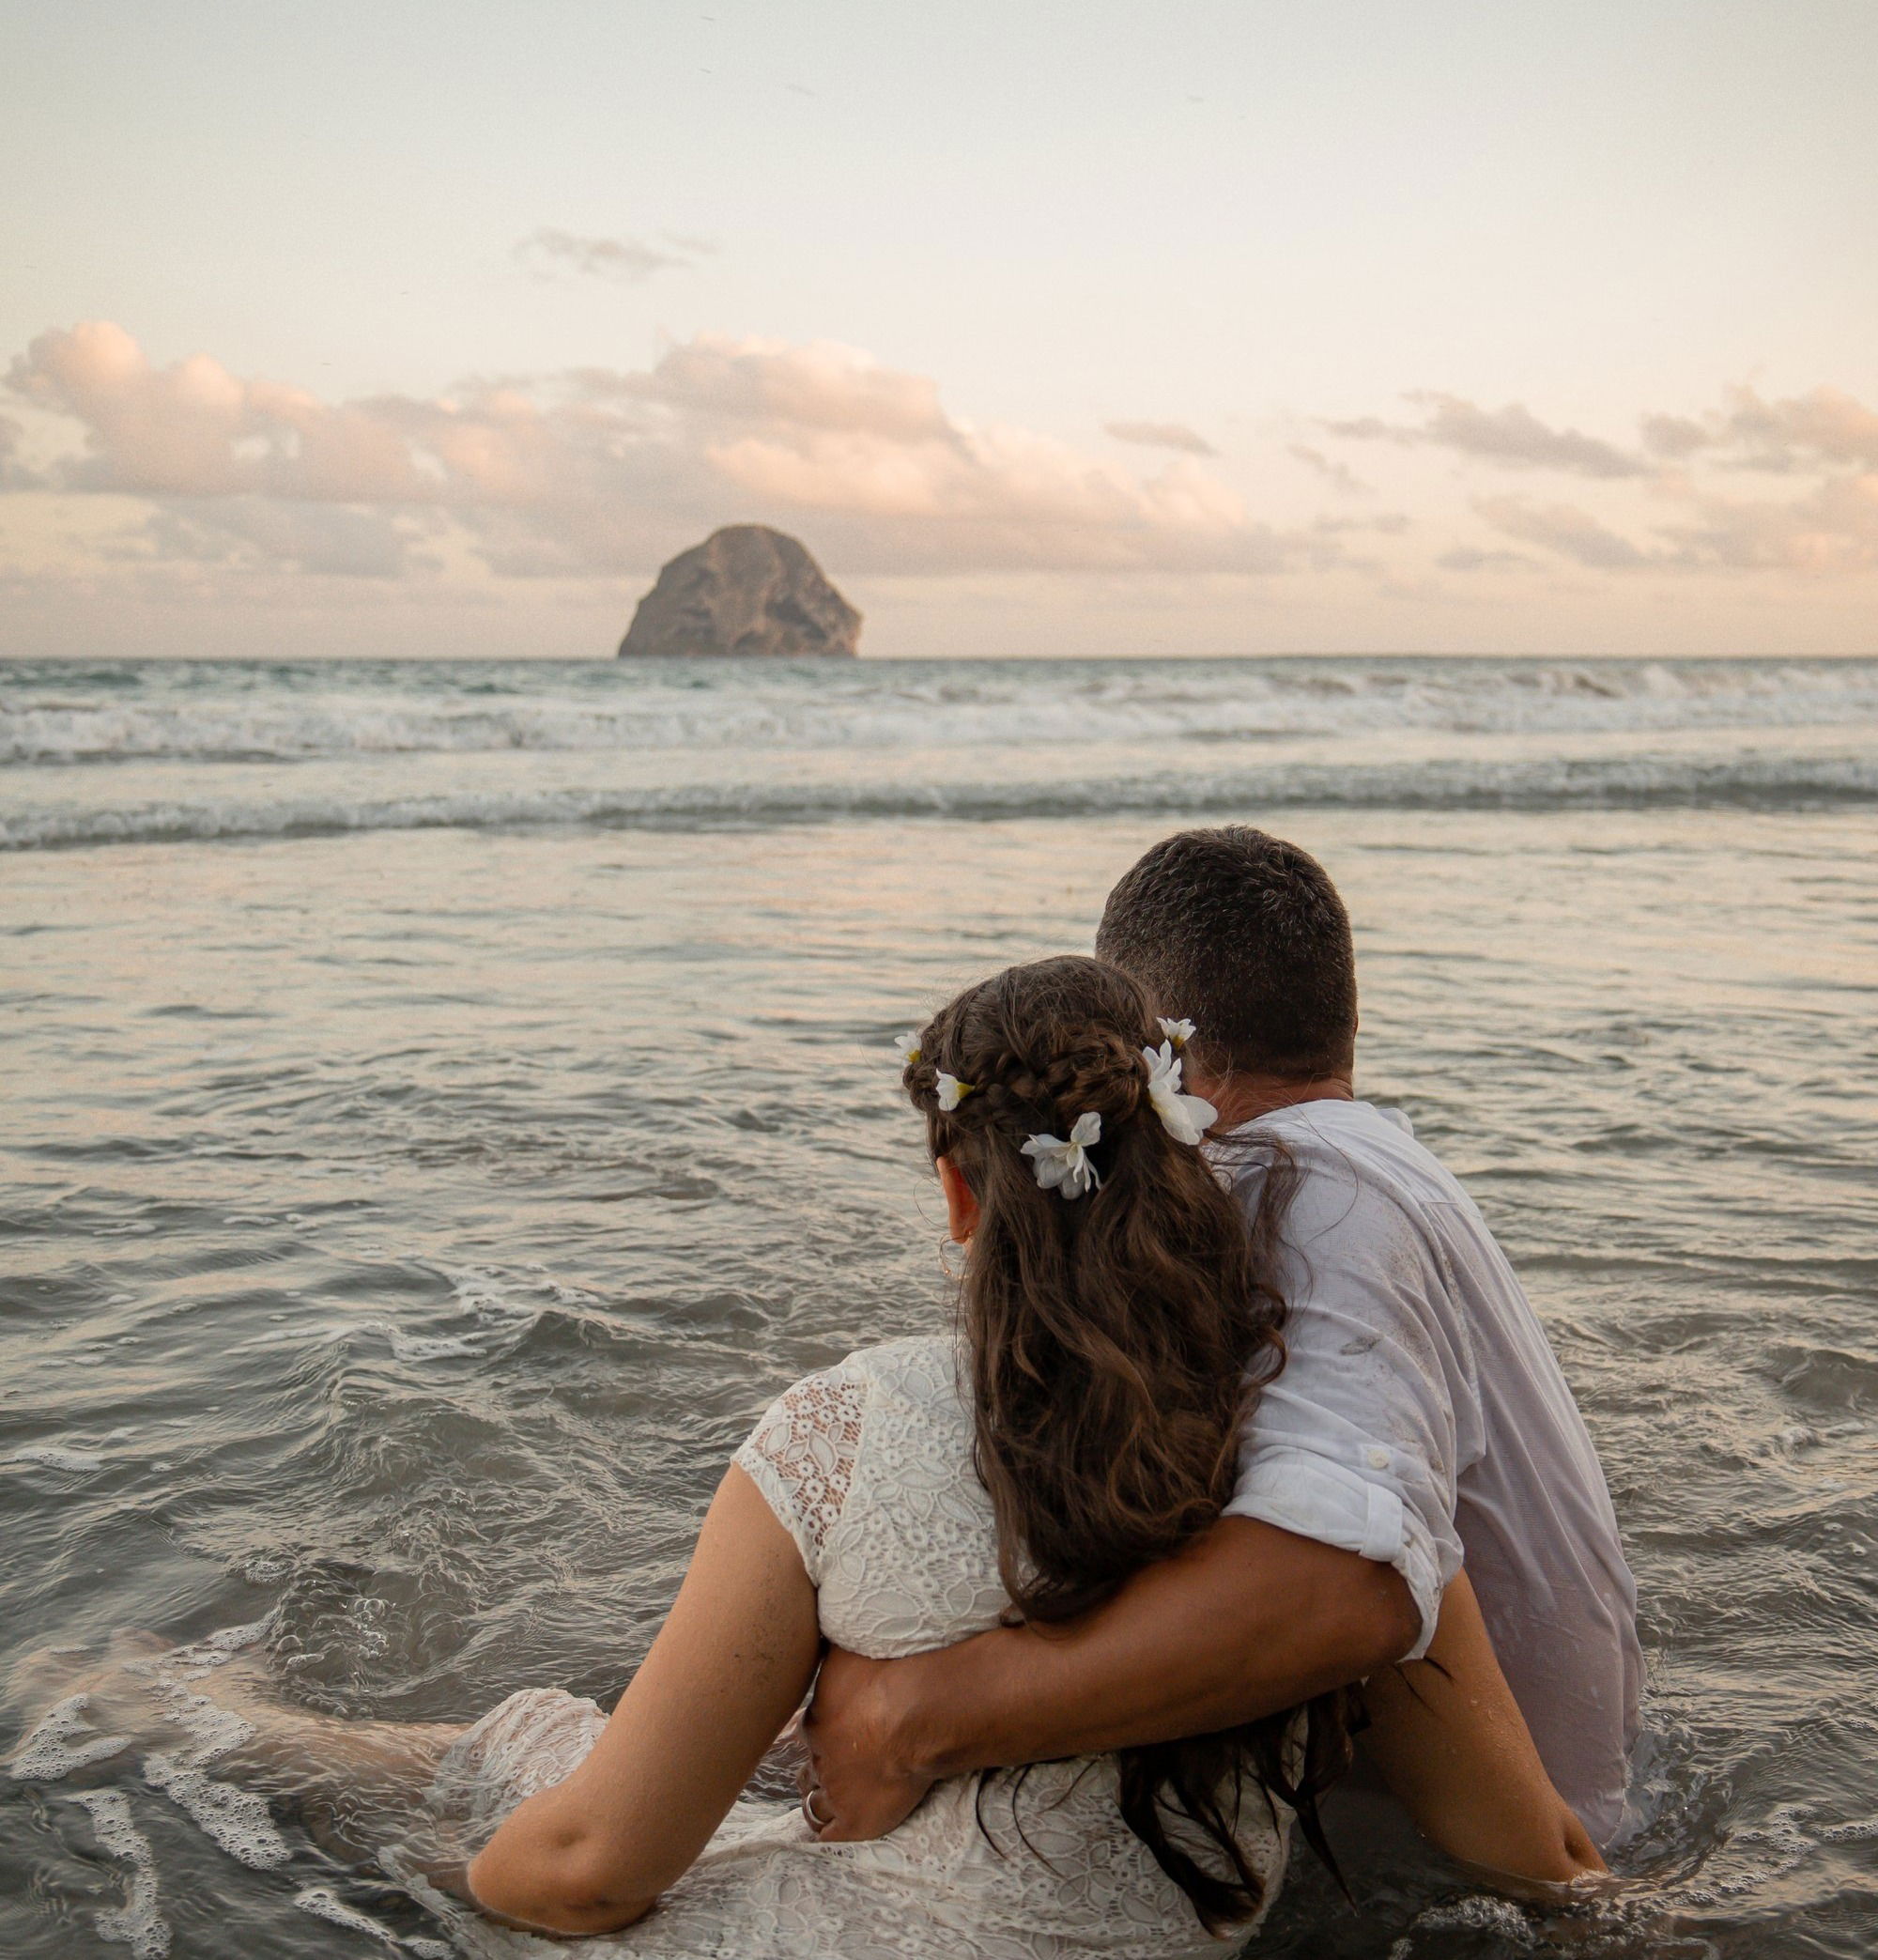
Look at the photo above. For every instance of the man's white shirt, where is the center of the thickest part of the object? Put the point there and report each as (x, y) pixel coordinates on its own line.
(1422, 1418)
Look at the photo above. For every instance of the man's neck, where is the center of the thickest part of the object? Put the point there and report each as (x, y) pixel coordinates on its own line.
(1243, 1099)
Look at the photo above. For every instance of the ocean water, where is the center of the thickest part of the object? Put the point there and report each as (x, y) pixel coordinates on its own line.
(443, 1103)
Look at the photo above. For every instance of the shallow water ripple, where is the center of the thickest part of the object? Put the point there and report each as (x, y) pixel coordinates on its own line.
(400, 1231)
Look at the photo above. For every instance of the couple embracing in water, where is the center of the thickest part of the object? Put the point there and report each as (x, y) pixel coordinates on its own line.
(1244, 1455)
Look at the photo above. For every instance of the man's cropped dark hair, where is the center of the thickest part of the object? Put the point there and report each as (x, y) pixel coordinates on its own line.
(1244, 936)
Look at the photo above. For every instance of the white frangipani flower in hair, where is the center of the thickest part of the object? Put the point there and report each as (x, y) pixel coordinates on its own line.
(1064, 1166)
(908, 1045)
(952, 1091)
(1184, 1117)
(1178, 1032)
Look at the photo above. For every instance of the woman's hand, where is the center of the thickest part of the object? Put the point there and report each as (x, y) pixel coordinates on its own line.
(1452, 1745)
(859, 1781)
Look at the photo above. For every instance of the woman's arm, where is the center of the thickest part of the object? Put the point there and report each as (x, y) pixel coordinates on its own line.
(1456, 1750)
(729, 1668)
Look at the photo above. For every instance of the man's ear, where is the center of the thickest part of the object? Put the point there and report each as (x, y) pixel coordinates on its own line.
(962, 1208)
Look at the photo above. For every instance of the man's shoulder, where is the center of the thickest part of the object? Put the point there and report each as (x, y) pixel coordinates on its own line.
(1341, 1129)
(1375, 1226)
(1354, 1167)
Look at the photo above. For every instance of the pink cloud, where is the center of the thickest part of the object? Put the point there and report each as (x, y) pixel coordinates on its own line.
(1511, 437)
(601, 470)
(1824, 427)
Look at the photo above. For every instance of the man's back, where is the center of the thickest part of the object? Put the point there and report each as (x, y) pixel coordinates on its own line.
(1422, 1415)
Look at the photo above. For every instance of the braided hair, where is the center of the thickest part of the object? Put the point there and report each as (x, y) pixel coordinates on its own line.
(1115, 1343)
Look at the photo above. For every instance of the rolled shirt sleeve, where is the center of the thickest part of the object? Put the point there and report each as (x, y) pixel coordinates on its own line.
(1358, 1441)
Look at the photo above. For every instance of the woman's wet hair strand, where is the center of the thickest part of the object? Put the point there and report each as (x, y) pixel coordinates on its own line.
(1115, 1344)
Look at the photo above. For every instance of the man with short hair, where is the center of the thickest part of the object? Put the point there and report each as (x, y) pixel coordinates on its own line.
(1421, 1419)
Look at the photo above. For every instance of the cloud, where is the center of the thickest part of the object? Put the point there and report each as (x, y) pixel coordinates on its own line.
(1340, 475)
(1824, 427)
(1511, 437)
(548, 252)
(14, 474)
(604, 471)
(1674, 436)
(1821, 429)
(1829, 527)
(1833, 529)
(822, 385)
(1389, 523)
(195, 430)
(1828, 425)
(1466, 558)
(1565, 529)
(1161, 435)
(254, 533)
(1830, 530)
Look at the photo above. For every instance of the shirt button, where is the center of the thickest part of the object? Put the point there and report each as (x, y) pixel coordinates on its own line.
(1378, 1460)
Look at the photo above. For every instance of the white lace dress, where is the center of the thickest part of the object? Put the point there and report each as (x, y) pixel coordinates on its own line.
(869, 1466)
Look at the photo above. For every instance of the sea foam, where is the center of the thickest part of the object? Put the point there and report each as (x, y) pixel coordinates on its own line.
(135, 1924)
(62, 1742)
(1754, 779)
(229, 713)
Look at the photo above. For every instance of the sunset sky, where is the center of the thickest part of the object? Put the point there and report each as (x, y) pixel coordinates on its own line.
(425, 329)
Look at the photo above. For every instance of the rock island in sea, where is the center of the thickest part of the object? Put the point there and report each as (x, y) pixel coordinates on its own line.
(746, 589)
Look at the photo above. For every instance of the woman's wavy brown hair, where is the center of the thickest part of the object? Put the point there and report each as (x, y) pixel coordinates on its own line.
(1115, 1344)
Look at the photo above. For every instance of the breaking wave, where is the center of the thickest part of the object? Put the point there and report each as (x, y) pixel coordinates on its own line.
(1757, 780)
(203, 711)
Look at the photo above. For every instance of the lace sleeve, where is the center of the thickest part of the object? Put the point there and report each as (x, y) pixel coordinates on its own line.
(801, 1456)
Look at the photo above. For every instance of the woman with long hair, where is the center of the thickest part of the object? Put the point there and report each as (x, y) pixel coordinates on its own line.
(1080, 1422)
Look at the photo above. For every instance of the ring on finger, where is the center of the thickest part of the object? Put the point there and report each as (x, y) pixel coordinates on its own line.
(809, 1797)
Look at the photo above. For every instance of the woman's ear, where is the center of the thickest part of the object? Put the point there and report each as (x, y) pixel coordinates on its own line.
(962, 1208)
